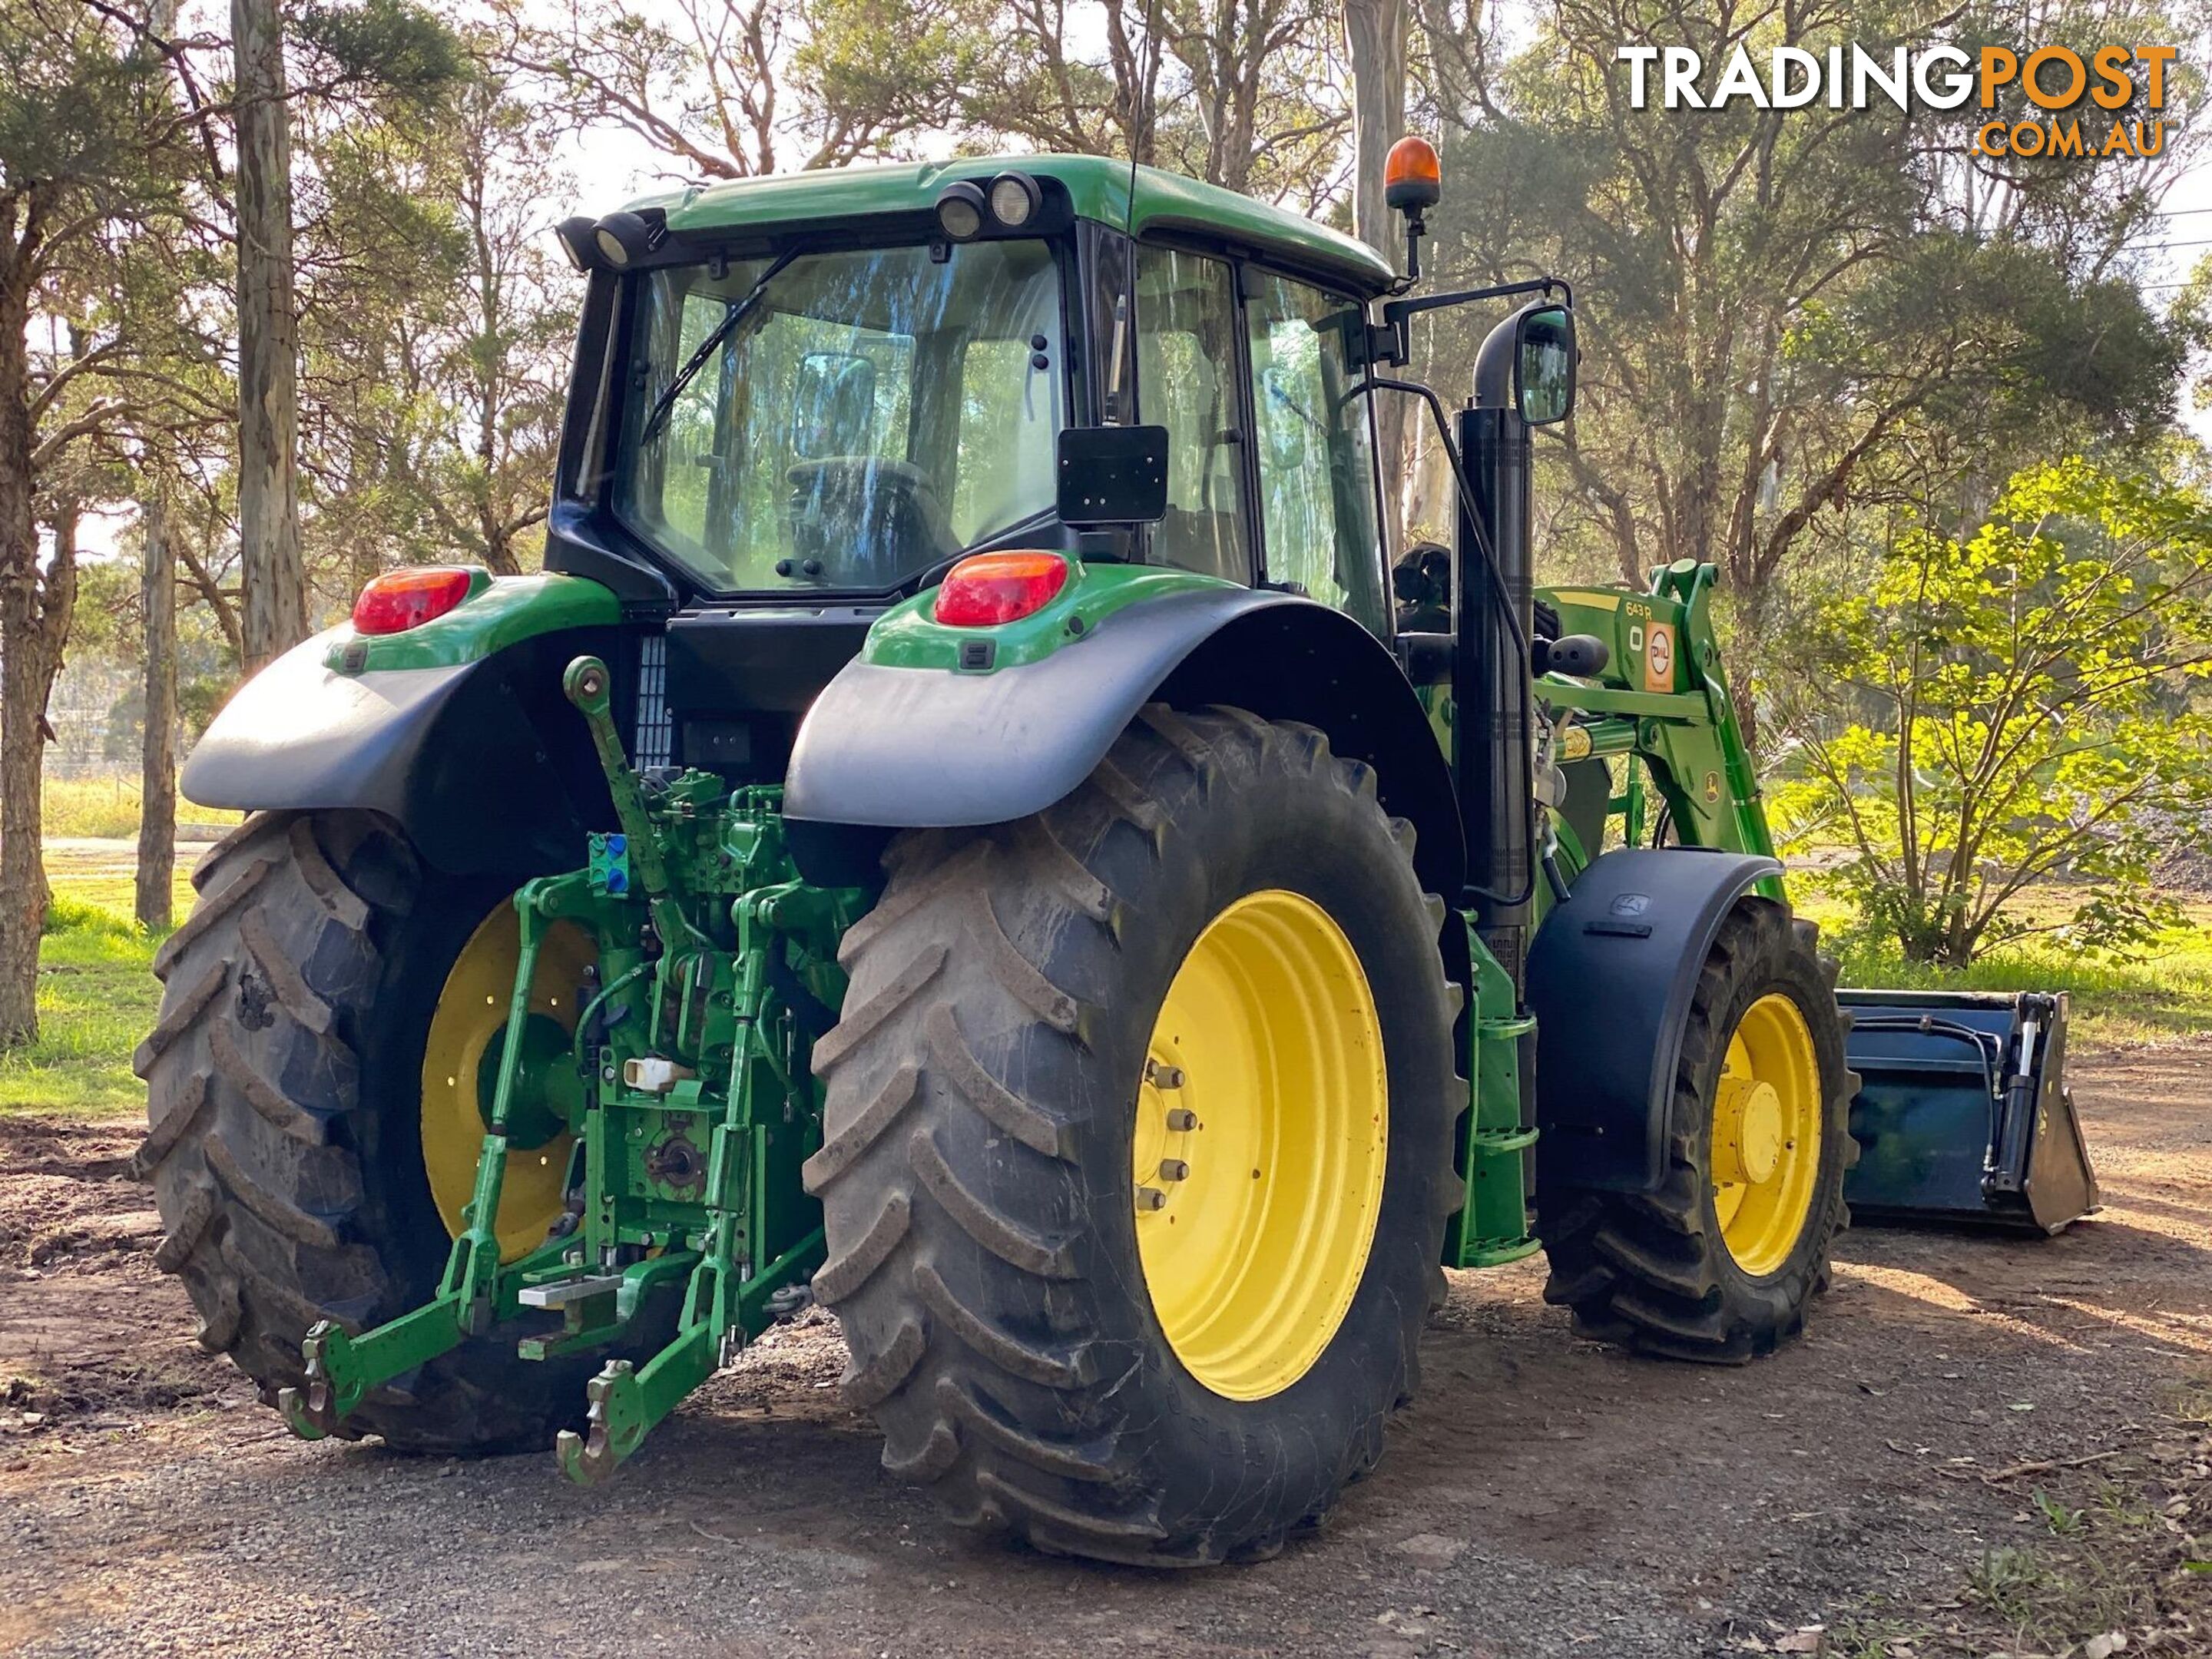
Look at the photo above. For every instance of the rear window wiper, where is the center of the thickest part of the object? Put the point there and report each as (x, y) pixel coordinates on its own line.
(657, 417)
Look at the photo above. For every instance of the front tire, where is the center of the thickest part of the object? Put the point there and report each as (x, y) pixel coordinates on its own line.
(1719, 1264)
(989, 1095)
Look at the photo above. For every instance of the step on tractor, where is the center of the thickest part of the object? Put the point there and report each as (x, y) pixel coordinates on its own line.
(973, 829)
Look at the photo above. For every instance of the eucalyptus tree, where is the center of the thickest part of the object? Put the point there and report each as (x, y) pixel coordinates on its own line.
(93, 154)
(1773, 300)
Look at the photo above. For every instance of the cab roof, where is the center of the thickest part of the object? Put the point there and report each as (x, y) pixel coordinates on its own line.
(1099, 186)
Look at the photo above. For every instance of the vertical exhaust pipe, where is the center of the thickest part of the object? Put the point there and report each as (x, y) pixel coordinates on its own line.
(1492, 730)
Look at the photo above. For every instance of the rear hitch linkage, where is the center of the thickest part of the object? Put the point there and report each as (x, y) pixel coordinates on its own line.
(706, 937)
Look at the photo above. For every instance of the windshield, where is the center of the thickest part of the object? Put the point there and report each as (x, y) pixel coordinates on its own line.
(841, 420)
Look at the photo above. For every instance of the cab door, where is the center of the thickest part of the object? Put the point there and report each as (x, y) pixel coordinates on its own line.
(1314, 447)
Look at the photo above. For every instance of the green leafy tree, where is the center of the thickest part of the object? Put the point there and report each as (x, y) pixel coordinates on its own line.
(1774, 301)
(2026, 702)
(93, 163)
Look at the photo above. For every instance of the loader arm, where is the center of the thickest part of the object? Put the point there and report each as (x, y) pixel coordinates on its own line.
(1661, 697)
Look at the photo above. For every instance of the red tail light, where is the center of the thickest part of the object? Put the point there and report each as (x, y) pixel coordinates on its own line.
(986, 588)
(401, 600)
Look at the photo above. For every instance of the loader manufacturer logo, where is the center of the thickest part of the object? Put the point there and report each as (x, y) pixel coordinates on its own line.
(1659, 658)
(2092, 102)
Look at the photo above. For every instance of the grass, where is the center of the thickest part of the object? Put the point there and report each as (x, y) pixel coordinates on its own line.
(108, 809)
(97, 993)
(97, 998)
(2166, 992)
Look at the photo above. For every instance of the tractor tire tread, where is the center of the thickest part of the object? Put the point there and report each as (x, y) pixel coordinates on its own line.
(966, 1342)
(1646, 1270)
(257, 1138)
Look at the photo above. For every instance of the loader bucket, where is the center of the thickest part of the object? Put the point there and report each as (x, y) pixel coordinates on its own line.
(1963, 1114)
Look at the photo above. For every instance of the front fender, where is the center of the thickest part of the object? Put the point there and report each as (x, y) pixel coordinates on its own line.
(914, 747)
(1611, 976)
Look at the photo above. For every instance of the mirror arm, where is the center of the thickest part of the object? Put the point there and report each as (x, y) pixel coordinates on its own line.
(1397, 313)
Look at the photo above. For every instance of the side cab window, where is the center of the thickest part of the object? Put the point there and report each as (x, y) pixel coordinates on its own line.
(1187, 381)
(1315, 447)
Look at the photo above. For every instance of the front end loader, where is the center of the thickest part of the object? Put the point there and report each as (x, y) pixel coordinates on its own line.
(970, 829)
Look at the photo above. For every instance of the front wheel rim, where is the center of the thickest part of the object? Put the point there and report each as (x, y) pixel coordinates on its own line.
(1766, 1135)
(1259, 1147)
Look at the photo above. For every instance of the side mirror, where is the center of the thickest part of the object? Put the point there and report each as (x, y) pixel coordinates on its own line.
(1544, 364)
(1112, 475)
(833, 407)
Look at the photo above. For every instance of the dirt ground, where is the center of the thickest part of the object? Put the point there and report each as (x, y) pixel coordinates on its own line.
(1545, 1497)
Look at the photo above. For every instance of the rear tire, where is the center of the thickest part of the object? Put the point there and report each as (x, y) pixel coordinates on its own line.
(976, 1171)
(1655, 1273)
(284, 1084)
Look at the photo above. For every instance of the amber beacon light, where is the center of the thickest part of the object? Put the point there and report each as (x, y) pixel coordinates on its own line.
(1412, 183)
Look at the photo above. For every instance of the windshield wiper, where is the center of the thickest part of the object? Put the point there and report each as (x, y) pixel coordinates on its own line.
(657, 417)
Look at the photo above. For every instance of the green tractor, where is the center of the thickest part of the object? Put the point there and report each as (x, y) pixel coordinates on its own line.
(970, 829)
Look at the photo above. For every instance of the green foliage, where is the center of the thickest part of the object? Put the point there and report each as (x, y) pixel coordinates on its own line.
(69, 90)
(2162, 991)
(1992, 710)
(2061, 1520)
(97, 998)
(1783, 310)
(386, 53)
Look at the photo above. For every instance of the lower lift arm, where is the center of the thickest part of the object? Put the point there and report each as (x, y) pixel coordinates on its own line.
(648, 1218)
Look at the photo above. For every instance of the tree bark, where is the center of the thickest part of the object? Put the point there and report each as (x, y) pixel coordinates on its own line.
(22, 901)
(157, 820)
(1375, 36)
(35, 614)
(274, 597)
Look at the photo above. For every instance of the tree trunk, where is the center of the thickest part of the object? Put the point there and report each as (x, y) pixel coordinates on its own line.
(157, 820)
(1375, 36)
(274, 598)
(34, 622)
(22, 900)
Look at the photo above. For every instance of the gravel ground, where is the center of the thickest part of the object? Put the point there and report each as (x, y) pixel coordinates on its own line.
(1544, 1497)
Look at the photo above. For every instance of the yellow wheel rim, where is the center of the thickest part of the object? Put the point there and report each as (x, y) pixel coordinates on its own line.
(456, 1066)
(1766, 1134)
(1262, 1123)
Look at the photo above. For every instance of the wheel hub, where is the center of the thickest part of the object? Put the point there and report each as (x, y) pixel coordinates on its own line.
(1257, 1150)
(1751, 1122)
(461, 1067)
(1766, 1134)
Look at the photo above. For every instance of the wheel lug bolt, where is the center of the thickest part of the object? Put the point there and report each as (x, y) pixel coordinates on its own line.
(1174, 1168)
(1163, 1076)
(1151, 1198)
(1181, 1119)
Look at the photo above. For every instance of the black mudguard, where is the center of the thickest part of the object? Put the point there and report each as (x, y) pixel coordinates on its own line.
(1611, 977)
(887, 748)
(482, 763)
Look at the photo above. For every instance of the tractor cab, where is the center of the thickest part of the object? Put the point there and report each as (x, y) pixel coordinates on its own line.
(800, 402)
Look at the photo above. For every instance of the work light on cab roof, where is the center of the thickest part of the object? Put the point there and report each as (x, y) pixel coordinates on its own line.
(965, 209)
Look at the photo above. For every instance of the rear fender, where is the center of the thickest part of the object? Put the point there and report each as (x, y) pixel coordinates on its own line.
(457, 731)
(887, 746)
(1611, 977)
